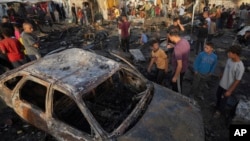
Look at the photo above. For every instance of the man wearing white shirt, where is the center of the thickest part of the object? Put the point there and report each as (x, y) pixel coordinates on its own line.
(243, 16)
(182, 10)
(207, 18)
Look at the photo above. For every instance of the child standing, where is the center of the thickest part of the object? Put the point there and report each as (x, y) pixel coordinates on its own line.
(204, 66)
(160, 58)
(30, 42)
(80, 15)
(17, 32)
(157, 11)
(12, 48)
(231, 77)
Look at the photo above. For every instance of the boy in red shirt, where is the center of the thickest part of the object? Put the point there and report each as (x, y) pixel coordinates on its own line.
(157, 11)
(12, 48)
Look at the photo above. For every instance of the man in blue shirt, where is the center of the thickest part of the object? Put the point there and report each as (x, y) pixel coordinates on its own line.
(144, 38)
(204, 66)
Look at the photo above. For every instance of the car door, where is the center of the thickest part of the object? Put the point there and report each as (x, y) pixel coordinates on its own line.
(65, 120)
(29, 101)
(7, 87)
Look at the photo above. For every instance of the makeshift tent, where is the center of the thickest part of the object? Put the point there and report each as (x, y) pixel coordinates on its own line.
(103, 8)
(5, 1)
(36, 1)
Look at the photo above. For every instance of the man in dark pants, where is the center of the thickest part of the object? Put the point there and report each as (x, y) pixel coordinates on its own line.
(125, 33)
(51, 10)
(159, 57)
(201, 37)
(73, 11)
(230, 80)
(180, 57)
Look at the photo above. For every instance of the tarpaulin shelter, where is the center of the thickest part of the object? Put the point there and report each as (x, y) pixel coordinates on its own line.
(3, 4)
(111, 3)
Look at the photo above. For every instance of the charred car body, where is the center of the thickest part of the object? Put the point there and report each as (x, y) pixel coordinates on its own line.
(79, 95)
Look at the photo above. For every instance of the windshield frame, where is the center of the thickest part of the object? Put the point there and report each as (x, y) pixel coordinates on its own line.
(134, 115)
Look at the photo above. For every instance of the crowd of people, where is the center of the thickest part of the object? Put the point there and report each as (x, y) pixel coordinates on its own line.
(22, 46)
(81, 15)
(218, 18)
(17, 48)
(214, 17)
(205, 61)
(226, 17)
(41, 11)
(147, 9)
(18, 44)
(204, 67)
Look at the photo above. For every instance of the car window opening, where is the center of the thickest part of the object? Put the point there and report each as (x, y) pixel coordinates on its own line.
(67, 111)
(11, 83)
(34, 93)
(114, 99)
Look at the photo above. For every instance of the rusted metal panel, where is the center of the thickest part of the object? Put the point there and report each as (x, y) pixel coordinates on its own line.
(16, 70)
(31, 114)
(6, 95)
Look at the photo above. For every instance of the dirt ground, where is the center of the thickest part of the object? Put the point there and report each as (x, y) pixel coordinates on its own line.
(215, 129)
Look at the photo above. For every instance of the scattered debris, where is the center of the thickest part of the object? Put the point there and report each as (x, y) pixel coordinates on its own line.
(137, 54)
(242, 114)
(19, 132)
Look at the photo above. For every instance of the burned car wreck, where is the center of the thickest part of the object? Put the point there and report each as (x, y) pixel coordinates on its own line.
(79, 95)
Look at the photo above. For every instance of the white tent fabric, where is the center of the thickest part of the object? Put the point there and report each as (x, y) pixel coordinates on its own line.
(103, 7)
(5, 1)
(35, 1)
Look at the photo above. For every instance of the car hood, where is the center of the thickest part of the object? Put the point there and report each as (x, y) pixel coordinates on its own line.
(170, 117)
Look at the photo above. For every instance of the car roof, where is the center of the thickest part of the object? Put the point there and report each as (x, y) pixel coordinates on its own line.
(75, 69)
